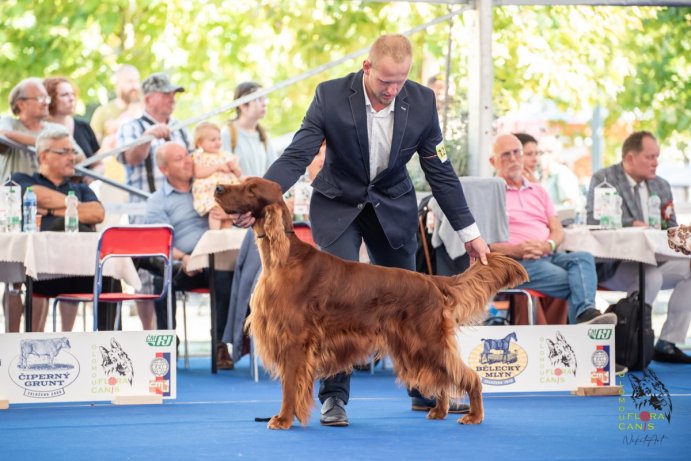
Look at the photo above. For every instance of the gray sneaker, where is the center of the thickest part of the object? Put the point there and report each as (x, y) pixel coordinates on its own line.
(333, 412)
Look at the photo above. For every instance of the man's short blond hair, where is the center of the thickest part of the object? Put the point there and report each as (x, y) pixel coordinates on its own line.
(397, 46)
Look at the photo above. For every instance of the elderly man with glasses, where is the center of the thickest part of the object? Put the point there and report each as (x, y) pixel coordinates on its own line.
(29, 103)
(534, 235)
(51, 183)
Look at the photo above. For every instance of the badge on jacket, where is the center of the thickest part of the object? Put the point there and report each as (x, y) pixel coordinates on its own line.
(441, 152)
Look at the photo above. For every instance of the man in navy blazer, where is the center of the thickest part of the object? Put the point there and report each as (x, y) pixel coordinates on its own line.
(373, 121)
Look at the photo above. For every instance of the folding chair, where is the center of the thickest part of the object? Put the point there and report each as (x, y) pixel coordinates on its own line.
(184, 295)
(138, 241)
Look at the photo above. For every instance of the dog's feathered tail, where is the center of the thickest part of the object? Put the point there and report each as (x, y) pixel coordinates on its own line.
(479, 283)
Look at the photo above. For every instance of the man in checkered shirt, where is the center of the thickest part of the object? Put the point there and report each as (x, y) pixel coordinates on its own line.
(140, 166)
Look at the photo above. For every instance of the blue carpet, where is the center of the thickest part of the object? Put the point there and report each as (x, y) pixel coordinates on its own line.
(213, 418)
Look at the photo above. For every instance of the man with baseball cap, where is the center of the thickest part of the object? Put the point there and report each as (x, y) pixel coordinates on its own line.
(140, 167)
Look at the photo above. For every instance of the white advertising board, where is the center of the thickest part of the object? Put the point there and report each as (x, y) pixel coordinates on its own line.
(539, 358)
(86, 366)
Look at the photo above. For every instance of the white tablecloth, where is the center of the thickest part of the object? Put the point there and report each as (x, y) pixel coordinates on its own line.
(49, 255)
(217, 241)
(637, 244)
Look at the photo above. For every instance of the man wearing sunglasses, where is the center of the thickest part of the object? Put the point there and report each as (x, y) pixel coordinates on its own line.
(51, 184)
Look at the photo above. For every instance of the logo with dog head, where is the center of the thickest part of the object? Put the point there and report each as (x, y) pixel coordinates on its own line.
(116, 362)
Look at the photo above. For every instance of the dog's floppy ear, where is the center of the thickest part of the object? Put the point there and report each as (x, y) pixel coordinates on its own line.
(276, 234)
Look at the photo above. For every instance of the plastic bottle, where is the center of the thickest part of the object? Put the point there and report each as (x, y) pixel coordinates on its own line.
(14, 210)
(606, 212)
(71, 213)
(654, 211)
(29, 210)
(616, 211)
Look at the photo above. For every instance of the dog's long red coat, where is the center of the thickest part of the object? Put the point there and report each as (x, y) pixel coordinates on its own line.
(314, 315)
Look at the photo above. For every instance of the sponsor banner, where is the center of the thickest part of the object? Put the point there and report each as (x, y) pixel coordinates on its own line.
(91, 366)
(539, 358)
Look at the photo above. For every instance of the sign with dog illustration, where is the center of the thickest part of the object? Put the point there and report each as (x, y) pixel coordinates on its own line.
(91, 366)
(539, 358)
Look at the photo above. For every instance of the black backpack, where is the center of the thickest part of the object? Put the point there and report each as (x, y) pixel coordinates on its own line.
(626, 332)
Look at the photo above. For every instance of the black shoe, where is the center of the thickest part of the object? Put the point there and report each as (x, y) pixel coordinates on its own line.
(333, 413)
(423, 404)
(593, 316)
(671, 355)
(620, 370)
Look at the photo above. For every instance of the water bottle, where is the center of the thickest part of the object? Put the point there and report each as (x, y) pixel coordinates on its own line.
(29, 210)
(14, 209)
(71, 213)
(616, 212)
(606, 211)
(654, 220)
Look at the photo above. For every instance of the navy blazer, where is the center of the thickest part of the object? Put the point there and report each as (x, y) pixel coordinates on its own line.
(616, 176)
(343, 187)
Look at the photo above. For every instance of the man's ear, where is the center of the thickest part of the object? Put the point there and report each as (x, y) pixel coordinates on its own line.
(491, 161)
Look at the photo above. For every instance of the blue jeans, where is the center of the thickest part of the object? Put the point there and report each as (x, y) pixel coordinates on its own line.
(569, 276)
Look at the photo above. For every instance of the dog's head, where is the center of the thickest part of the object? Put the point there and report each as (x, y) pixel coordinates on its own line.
(263, 199)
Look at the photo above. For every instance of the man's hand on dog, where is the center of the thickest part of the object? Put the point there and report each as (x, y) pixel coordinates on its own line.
(477, 249)
(244, 220)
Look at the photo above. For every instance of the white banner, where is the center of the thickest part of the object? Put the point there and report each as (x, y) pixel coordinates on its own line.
(86, 366)
(525, 358)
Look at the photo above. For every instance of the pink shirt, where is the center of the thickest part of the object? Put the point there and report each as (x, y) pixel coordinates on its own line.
(529, 209)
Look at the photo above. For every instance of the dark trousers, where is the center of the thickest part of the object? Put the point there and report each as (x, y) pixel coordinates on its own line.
(83, 284)
(183, 282)
(365, 228)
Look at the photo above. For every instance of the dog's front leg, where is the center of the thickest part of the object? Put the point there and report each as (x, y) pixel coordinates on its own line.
(297, 384)
(441, 409)
(474, 389)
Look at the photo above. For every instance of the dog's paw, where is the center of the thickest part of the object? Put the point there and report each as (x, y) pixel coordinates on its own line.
(470, 418)
(437, 413)
(279, 423)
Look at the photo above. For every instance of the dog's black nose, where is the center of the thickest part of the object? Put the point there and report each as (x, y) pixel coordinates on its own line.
(220, 190)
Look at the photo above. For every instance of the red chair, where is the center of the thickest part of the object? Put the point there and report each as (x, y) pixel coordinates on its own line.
(303, 231)
(531, 296)
(128, 242)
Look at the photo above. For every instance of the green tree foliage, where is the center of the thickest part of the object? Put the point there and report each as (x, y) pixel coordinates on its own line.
(630, 60)
(657, 91)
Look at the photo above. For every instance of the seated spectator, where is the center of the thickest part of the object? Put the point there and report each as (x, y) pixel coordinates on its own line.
(534, 235)
(211, 167)
(126, 106)
(246, 137)
(557, 178)
(530, 157)
(51, 184)
(172, 204)
(635, 179)
(28, 101)
(63, 103)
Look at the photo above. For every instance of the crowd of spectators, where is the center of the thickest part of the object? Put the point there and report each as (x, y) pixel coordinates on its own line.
(46, 139)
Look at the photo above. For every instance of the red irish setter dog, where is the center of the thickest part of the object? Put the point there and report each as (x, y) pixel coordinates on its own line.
(314, 315)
